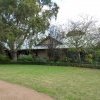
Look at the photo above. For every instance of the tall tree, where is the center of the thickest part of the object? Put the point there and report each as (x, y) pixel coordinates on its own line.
(56, 35)
(81, 34)
(20, 19)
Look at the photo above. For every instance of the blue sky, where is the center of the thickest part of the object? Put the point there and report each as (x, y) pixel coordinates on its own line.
(72, 9)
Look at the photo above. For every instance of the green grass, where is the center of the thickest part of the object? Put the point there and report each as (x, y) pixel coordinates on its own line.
(62, 83)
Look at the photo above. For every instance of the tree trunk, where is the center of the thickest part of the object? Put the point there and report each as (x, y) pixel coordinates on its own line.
(79, 57)
(78, 54)
(14, 55)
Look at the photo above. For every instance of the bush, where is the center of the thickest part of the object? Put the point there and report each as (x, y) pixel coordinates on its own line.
(97, 56)
(40, 60)
(67, 59)
(73, 56)
(4, 59)
(29, 59)
(89, 58)
(25, 58)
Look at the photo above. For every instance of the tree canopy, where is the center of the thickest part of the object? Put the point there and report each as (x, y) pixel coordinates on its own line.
(20, 19)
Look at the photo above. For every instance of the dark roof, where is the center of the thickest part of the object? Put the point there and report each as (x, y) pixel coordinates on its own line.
(49, 37)
(75, 33)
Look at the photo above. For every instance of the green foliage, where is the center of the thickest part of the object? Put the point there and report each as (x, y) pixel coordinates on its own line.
(16, 15)
(72, 55)
(40, 60)
(68, 59)
(89, 58)
(25, 58)
(21, 19)
(97, 56)
(4, 59)
(32, 60)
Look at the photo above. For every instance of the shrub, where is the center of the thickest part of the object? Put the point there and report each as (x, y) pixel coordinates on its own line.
(4, 59)
(67, 59)
(89, 58)
(97, 56)
(29, 59)
(40, 60)
(25, 58)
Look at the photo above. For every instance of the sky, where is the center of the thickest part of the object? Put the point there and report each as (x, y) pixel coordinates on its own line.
(73, 9)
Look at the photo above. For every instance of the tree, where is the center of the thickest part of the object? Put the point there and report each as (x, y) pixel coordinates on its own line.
(56, 36)
(20, 19)
(81, 34)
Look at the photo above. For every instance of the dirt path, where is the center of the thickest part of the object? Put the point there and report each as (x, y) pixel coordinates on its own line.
(14, 92)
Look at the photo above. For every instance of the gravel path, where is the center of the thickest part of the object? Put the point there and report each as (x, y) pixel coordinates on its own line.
(14, 92)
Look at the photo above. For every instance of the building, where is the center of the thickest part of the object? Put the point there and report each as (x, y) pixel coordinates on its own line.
(49, 48)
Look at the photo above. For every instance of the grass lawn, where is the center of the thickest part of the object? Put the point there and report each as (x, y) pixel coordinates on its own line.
(62, 83)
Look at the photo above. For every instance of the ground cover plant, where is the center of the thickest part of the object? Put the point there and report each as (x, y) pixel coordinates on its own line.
(62, 83)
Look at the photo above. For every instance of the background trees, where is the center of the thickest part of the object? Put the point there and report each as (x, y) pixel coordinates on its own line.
(81, 33)
(21, 19)
(82, 36)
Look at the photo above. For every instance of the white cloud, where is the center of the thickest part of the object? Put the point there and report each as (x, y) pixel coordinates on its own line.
(71, 9)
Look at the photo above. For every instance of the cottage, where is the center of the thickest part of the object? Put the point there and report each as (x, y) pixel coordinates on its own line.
(49, 48)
